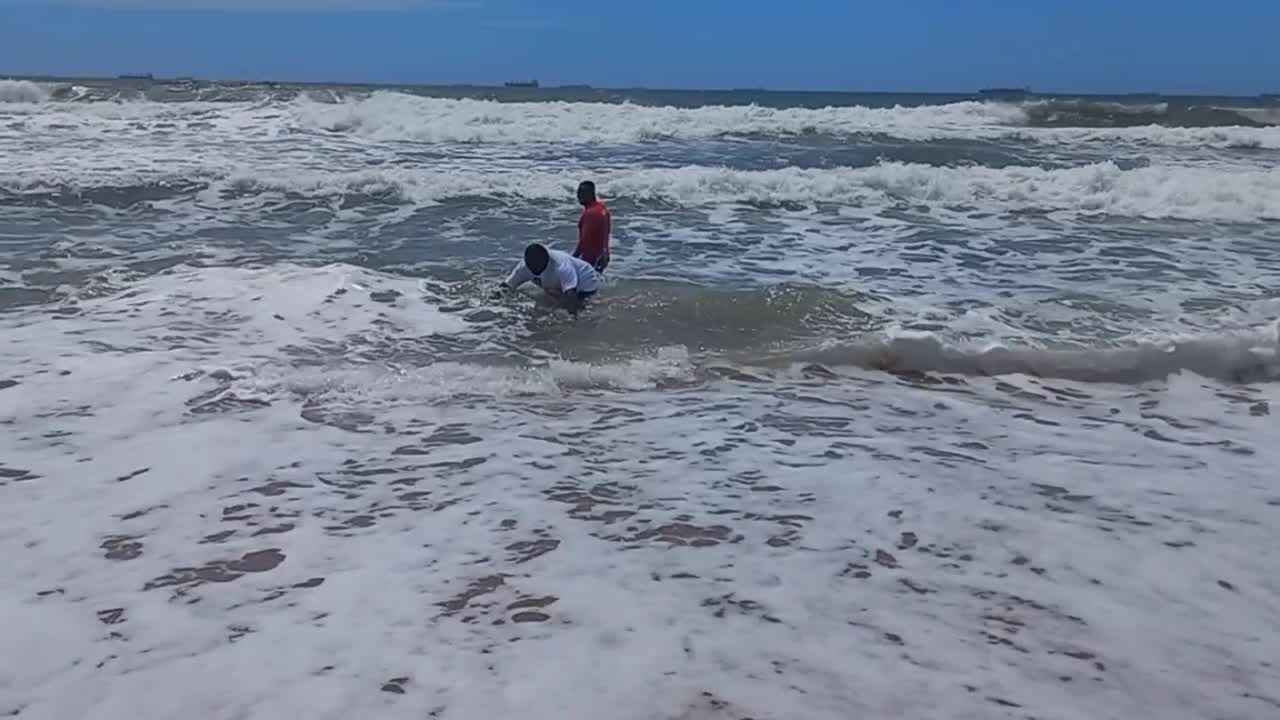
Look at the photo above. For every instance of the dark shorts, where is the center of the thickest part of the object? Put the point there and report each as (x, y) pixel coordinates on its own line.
(601, 264)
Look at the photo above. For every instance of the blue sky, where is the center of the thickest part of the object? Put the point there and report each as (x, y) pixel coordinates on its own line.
(1229, 46)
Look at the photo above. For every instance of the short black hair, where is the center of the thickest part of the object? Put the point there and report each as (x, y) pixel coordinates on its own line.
(536, 256)
(587, 186)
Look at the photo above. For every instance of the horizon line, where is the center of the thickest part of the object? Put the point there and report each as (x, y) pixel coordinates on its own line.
(169, 79)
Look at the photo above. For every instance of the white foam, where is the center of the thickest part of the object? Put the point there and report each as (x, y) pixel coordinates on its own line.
(229, 321)
(395, 117)
(445, 380)
(472, 522)
(1038, 572)
(22, 91)
(1200, 192)
(1099, 188)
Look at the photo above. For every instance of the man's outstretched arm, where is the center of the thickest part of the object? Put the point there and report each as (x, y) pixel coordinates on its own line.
(519, 276)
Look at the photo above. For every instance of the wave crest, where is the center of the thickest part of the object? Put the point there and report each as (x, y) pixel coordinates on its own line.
(1241, 357)
(23, 91)
(394, 116)
(1212, 193)
(1086, 114)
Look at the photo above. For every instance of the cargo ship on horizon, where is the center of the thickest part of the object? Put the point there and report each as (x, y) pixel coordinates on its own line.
(521, 83)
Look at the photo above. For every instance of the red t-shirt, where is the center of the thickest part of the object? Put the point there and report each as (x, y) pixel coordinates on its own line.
(593, 233)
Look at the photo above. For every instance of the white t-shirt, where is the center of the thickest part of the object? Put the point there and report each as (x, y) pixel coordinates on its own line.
(564, 272)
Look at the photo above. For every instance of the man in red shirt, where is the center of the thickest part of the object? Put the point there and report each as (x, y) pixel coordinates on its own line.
(593, 228)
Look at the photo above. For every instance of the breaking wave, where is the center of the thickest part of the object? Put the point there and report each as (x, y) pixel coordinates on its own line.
(397, 116)
(23, 91)
(328, 323)
(1243, 357)
(1232, 194)
(1077, 113)
(1231, 360)
(388, 115)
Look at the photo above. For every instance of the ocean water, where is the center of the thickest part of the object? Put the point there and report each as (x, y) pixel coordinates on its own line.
(892, 406)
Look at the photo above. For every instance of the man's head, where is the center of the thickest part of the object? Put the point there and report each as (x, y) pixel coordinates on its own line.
(586, 192)
(536, 258)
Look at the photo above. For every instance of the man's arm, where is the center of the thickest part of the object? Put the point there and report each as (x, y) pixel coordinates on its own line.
(519, 276)
(569, 296)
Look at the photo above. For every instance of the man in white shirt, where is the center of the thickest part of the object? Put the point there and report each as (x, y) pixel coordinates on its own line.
(559, 274)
